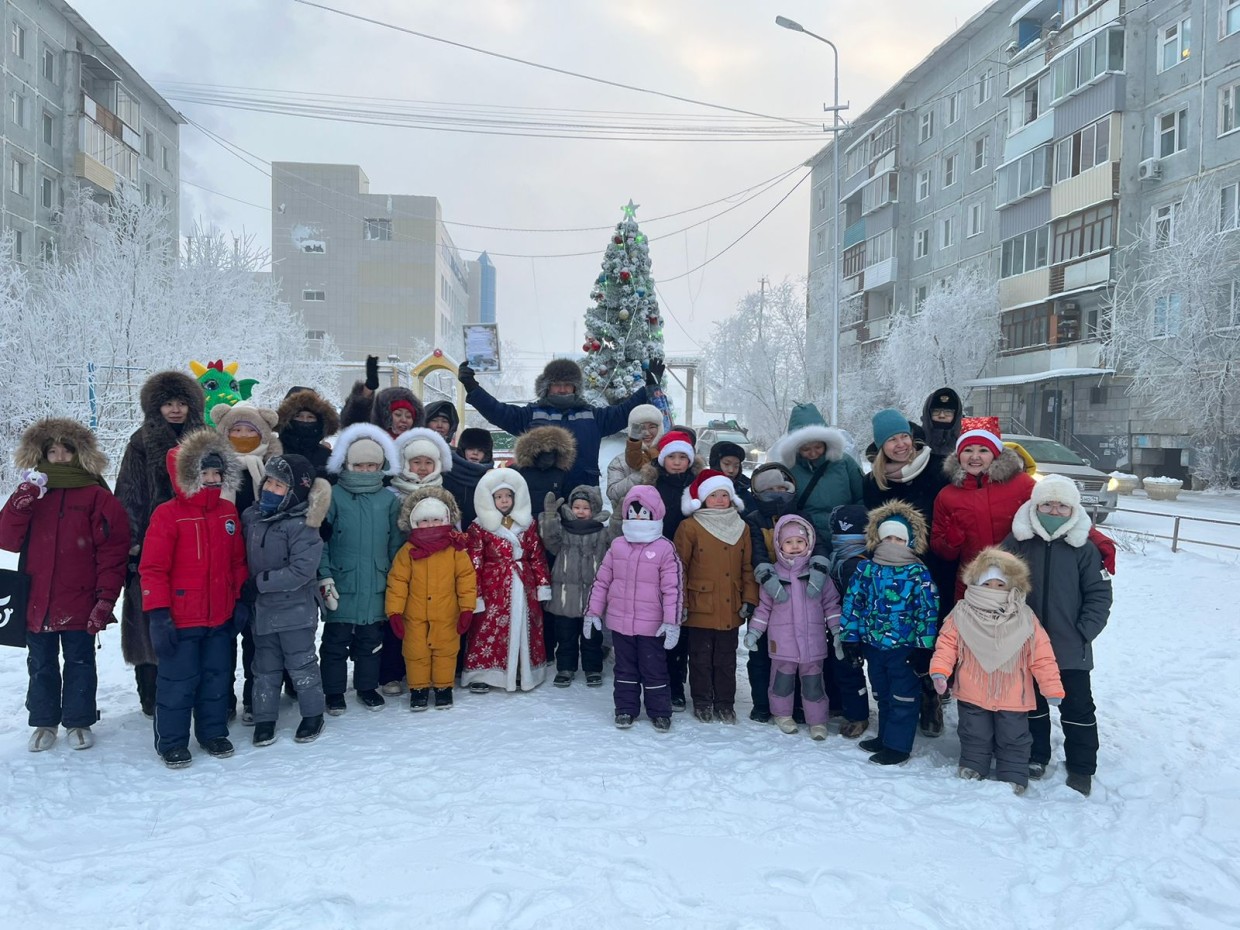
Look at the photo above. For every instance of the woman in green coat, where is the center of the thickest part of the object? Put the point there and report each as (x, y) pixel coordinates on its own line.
(826, 476)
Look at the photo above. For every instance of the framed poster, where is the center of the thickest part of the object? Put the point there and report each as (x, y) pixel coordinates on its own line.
(482, 347)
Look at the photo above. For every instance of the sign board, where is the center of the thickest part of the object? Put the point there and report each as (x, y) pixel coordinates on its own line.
(482, 347)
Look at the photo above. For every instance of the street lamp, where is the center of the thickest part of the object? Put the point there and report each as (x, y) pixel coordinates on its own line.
(786, 23)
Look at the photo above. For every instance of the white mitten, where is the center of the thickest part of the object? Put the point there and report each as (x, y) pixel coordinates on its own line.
(591, 623)
(544, 593)
(671, 632)
(331, 597)
(751, 640)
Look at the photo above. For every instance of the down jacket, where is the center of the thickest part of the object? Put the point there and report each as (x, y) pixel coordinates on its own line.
(193, 560)
(718, 576)
(438, 588)
(579, 547)
(640, 585)
(75, 540)
(796, 630)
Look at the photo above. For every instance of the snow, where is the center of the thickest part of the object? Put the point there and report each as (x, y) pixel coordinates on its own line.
(531, 810)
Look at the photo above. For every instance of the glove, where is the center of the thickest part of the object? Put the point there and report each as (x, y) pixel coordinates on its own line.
(838, 646)
(819, 572)
(331, 597)
(465, 375)
(544, 593)
(751, 640)
(249, 591)
(919, 661)
(746, 612)
(671, 632)
(854, 653)
(591, 623)
(1054, 702)
(372, 372)
(163, 633)
(766, 576)
(463, 622)
(26, 494)
(242, 615)
(100, 617)
(654, 372)
(551, 503)
(397, 623)
(940, 682)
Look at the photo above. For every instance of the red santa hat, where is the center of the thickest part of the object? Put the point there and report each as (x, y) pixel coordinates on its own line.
(675, 441)
(981, 431)
(704, 485)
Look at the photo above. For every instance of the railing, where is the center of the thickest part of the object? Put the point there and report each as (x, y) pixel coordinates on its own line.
(1175, 537)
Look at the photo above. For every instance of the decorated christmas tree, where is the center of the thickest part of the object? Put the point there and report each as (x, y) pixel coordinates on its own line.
(624, 329)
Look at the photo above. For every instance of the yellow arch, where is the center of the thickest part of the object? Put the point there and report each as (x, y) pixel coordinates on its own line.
(434, 361)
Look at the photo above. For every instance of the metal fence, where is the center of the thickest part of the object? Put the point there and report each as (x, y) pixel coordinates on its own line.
(1176, 537)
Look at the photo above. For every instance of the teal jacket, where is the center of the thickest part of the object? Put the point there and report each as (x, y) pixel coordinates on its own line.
(840, 483)
(358, 555)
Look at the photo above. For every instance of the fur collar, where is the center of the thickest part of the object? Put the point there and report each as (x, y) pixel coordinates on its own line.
(785, 449)
(1012, 566)
(488, 516)
(1002, 470)
(897, 508)
(1026, 525)
(413, 499)
(351, 434)
(60, 429)
(185, 463)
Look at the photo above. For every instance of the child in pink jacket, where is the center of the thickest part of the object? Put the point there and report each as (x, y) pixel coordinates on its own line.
(995, 647)
(639, 590)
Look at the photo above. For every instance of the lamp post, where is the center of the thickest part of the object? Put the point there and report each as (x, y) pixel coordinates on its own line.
(786, 23)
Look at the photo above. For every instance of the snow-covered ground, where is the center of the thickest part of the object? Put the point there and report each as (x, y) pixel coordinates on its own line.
(531, 810)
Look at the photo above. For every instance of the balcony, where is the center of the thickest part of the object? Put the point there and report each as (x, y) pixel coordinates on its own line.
(1089, 188)
(854, 234)
(1030, 136)
(853, 285)
(880, 273)
(1026, 288)
(1089, 272)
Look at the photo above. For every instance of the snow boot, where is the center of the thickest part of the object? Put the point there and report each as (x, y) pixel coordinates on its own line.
(624, 721)
(1079, 781)
(79, 737)
(563, 679)
(443, 698)
(704, 713)
(176, 758)
(221, 747)
(42, 739)
(873, 744)
(854, 729)
(393, 689)
(309, 729)
(786, 725)
(1037, 769)
(336, 705)
(760, 716)
(662, 724)
(371, 699)
(818, 732)
(1017, 789)
(247, 716)
(264, 734)
(725, 715)
(479, 687)
(889, 757)
(678, 705)
(931, 722)
(419, 699)
(594, 679)
(968, 774)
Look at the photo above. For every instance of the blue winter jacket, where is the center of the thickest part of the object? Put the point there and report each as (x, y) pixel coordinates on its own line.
(889, 606)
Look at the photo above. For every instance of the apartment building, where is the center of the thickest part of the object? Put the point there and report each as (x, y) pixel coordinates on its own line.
(378, 272)
(75, 112)
(482, 280)
(1037, 140)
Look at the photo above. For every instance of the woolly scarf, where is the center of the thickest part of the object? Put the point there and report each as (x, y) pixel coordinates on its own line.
(996, 628)
(894, 554)
(902, 474)
(72, 475)
(725, 525)
(361, 482)
(407, 485)
(425, 541)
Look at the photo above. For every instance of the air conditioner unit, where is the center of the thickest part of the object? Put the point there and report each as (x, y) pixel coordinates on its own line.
(1069, 306)
(1149, 170)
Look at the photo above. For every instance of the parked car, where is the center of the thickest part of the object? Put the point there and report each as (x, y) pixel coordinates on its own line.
(711, 435)
(1099, 491)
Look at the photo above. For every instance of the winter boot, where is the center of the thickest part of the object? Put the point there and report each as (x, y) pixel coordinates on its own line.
(42, 739)
(624, 721)
(1017, 789)
(264, 734)
(931, 714)
(704, 713)
(1079, 781)
(247, 716)
(79, 737)
(678, 704)
(479, 687)
(1037, 769)
(760, 716)
(372, 699)
(419, 699)
(443, 698)
(309, 729)
(786, 725)
(393, 689)
(889, 757)
(221, 747)
(176, 758)
(594, 679)
(725, 714)
(818, 732)
(662, 724)
(854, 729)
(563, 679)
(873, 744)
(968, 774)
(336, 705)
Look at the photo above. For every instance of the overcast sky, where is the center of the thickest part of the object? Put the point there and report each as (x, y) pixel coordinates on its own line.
(722, 51)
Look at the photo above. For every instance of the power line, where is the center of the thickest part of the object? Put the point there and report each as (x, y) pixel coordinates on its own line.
(225, 196)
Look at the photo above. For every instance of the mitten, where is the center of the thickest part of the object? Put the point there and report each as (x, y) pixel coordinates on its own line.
(751, 640)
(838, 646)
(919, 661)
(100, 617)
(671, 632)
(635, 432)
(242, 615)
(591, 623)
(940, 682)
(463, 622)
(163, 633)
(766, 576)
(544, 593)
(249, 590)
(819, 572)
(397, 623)
(654, 372)
(1054, 702)
(465, 375)
(331, 597)
(746, 611)
(854, 653)
(25, 495)
(372, 372)
(551, 503)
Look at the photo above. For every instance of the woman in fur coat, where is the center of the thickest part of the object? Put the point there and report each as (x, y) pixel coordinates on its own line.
(172, 404)
(506, 648)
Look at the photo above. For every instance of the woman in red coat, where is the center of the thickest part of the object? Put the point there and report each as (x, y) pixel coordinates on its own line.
(506, 647)
(73, 535)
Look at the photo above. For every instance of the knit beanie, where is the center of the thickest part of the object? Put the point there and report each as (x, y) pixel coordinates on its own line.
(364, 451)
(895, 526)
(981, 431)
(428, 508)
(888, 423)
(849, 520)
(675, 442)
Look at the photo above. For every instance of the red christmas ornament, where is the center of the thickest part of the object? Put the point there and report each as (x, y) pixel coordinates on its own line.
(652, 320)
(596, 345)
(617, 240)
(625, 276)
(586, 347)
(438, 353)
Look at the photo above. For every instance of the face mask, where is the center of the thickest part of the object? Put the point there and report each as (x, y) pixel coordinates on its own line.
(302, 435)
(1051, 523)
(544, 460)
(269, 502)
(245, 444)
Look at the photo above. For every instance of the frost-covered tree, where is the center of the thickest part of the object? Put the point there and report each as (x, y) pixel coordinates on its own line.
(1175, 324)
(624, 328)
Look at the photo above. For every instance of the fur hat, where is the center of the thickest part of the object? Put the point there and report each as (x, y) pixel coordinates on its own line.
(381, 408)
(428, 508)
(363, 431)
(185, 462)
(983, 431)
(555, 439)
(647, 413)
(995, 562)
(39, 436)
(889, 422)
(164, 386)
(406, 520)
(918, 532)
(558, 371)
(721, 450)
(427, 442)
(475, 438)
(675, 441)
(703, 486)
(299, 399)
(1056, 488)
(489, 517)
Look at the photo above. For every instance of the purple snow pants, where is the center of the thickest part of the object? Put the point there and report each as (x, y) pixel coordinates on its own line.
(641, 662)
(813, 690)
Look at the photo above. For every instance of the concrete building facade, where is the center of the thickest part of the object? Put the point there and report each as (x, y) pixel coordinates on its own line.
(481, 289)
(1036, 141)
(75, 112)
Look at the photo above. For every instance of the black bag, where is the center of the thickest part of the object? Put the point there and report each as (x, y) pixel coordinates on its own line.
(14, 596)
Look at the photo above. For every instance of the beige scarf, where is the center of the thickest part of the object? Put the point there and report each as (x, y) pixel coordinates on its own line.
(725, 525)
(902, 474)
(996, 628)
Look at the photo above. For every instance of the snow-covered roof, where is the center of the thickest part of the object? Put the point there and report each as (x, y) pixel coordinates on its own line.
(1036, 376)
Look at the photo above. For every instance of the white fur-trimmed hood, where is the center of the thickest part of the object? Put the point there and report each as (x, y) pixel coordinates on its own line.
(1026, 525)
(785, 448)
(351, 434)
(488, 517)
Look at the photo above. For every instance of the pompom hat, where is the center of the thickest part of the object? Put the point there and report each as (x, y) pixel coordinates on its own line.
(705, 484)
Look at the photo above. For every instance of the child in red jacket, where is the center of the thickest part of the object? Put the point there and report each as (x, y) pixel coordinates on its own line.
(193, 567)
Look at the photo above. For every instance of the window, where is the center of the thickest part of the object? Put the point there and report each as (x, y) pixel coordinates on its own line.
(1166, 321)
(927, 126)
(49, 129)
(1081, 64)
(315, 296)
(17, 176)
(1229, 305)
(822, 197)
(166, 161)
(163, 200)
(921, 243)
(1024, 176)
(1229, 207)
(1026, 327)
(46, 251)
(377, 230)
(923, 185)
(979, 153)
(949, 170)
(879, 192)
(1082, 150)
(128, 108)
(1084, 233)
(1028, 103)
(953, 108)
(985, 86)
(17, 40)
(947, 233)
(1026, 252)
(148, 144)
(46, 188)
(878, 249)
(316, 334)
(1172, 132)
(1164, 224)
(976, 220)
(17, 108)
(820, 241)
(1229, 14)
(1227, 106)
(146, 192)
(49, 65)
(18, 245)
(919, 298)
(1174, 44)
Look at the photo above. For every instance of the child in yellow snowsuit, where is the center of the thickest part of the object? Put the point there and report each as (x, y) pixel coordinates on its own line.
(431, 593)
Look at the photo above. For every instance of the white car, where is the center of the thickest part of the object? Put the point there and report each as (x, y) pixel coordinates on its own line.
(1099, 493)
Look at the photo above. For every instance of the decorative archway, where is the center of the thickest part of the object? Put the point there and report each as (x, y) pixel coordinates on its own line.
(434, 361)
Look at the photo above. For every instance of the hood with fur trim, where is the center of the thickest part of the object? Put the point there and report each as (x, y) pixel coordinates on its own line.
(910, 514)
(444, 408)
(164, 386)
(786, 447)
(306, 495)
(542, 439)
(225, 416)
(413, 499)
(558, 371)
(185, 463)
(381, 407)
(423, 434)
(1003, 469)
(489, 517)
(1026, 525)
(1013, 567)
(340, 451)
(40, 435)
(307, 399)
